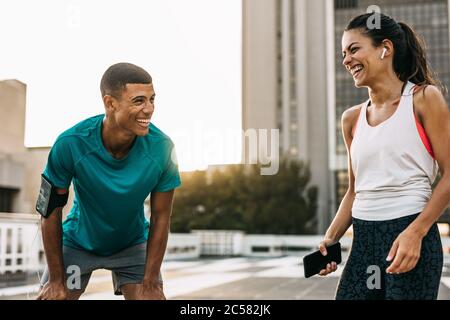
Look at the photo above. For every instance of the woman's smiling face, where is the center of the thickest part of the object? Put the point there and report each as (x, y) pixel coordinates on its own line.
(361, 58)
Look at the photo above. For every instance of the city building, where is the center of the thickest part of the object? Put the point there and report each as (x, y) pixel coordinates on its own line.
(20, 167)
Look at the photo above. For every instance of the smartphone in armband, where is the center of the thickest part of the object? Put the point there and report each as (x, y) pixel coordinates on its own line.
(314, 262)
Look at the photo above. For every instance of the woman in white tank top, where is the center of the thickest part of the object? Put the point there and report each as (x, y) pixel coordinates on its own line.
(396, 142)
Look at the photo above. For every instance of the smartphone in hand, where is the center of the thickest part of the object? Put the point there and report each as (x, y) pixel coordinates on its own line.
(314, 262)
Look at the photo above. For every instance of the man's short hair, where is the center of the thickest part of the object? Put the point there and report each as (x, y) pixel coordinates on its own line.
(118, 75)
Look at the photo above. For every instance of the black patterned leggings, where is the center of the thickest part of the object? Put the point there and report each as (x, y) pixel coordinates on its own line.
(364, 276)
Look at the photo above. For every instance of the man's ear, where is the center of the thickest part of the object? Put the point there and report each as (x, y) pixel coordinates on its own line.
(109, 102)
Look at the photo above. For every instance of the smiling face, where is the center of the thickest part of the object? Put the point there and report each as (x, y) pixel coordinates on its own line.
(361, 58)
(132, 111)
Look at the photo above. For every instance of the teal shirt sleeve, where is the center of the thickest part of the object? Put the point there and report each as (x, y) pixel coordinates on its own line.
(60, 164)
(170, 177)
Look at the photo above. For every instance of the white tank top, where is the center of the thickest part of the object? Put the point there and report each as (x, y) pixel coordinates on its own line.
(392, 167)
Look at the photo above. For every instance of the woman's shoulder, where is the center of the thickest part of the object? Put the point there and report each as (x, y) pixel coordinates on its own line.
(427, 98)
(352, 112)
(350, 116)
(426, 91)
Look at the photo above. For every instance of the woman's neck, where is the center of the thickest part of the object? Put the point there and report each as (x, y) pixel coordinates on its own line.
(385, 91)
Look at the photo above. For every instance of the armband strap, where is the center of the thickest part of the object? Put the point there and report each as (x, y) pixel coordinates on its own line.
(48, 199)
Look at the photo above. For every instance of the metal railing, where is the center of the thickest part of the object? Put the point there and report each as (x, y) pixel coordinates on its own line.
(20, 243)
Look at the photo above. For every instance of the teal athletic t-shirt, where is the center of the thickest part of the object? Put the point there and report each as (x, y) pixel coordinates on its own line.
(108, 208)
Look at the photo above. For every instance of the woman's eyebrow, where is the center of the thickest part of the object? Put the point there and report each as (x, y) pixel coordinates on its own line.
(348, 47)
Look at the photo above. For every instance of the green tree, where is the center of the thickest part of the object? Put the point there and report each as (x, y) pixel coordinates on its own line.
(239, 197)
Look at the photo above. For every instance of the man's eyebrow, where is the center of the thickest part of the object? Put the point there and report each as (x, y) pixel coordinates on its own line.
(142, 97)
(137, 98)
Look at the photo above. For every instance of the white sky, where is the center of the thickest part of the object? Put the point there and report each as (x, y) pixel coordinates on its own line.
(192, 49)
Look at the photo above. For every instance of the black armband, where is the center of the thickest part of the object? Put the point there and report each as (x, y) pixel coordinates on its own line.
(49, 199)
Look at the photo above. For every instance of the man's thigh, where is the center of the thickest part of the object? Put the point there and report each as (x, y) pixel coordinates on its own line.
(128, 268)
(78, 265)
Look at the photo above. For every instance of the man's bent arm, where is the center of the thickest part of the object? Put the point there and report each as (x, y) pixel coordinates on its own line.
(52, 239)
(161, 210)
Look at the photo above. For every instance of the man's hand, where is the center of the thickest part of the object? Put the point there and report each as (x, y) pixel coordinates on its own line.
(152, 291)
(406, 251)
(53, 291)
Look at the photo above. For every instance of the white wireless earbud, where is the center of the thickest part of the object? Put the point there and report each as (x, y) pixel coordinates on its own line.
(384, 52)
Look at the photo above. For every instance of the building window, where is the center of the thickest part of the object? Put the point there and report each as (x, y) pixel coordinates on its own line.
(344, 4)
(6, 199)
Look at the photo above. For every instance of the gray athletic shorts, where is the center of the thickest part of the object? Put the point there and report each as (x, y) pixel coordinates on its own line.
(127, 267)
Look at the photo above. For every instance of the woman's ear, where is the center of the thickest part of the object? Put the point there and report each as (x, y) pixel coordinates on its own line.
(388, 48)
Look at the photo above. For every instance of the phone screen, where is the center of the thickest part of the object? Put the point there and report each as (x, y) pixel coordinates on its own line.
(44, 196)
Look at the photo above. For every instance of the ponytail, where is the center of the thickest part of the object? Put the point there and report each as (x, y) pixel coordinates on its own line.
(413, 65)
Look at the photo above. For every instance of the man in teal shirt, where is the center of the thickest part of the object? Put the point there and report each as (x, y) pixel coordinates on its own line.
(114, 160)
